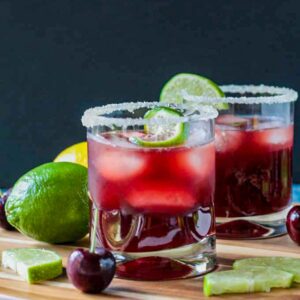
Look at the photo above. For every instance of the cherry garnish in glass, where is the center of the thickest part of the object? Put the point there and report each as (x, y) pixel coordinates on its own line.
(91, 271)
(293, 224)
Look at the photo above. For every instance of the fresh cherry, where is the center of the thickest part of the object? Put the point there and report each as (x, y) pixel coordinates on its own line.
(91, 272)
(3, 220)
(293, 224)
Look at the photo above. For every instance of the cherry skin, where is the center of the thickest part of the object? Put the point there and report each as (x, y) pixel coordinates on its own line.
(91, 272)
(293, 224)
(3, 220)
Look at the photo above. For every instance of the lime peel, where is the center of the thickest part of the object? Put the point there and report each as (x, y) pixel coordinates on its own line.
(33, 265)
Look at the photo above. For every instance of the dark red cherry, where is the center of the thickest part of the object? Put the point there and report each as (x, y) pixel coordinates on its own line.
(293, 224)
(91, 272)
(3, 220)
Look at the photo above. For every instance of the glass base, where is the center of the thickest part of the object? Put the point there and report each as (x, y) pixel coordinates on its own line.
(183, 262)
(256, 227)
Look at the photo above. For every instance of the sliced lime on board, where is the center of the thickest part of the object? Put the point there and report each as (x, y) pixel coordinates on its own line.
(33, 265)
(192, 84)
(162, 135)
(259, 279)
(287, 264)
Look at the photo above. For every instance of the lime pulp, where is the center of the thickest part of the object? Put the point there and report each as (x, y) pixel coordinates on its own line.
(162, 135)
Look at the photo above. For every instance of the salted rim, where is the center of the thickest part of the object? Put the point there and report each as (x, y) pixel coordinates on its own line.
(94, 116)
(277, 95)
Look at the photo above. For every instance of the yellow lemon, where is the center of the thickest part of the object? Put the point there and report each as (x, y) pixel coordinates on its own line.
(76, 153)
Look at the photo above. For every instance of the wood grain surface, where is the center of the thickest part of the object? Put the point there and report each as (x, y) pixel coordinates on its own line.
(12, 287)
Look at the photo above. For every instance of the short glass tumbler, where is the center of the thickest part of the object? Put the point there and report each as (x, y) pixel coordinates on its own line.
(254, 141)
(155, 203)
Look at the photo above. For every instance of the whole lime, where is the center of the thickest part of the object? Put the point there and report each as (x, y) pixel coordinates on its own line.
(50, 203)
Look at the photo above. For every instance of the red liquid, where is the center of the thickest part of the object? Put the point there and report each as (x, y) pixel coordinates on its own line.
(240, 229)
(254, 166)
(151, 200)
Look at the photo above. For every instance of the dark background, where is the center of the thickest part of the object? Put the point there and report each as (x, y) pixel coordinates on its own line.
(59, 57)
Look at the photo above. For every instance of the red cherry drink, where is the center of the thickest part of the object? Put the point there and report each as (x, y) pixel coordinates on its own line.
(155, 204)
(254, 173)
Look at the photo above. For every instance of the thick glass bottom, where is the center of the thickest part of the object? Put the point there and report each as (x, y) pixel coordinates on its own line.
(182, 262)
(256, 227)
(158, 247)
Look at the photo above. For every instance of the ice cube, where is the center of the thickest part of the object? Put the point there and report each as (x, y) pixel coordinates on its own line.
(161, 197)
(276, 136)
(233, 121)
(228, 140)
(119, 164)
(196, 161)
(268, 124)
(197, 135)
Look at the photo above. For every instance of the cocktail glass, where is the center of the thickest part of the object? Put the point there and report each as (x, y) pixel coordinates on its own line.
(154, 205)
(254, 141)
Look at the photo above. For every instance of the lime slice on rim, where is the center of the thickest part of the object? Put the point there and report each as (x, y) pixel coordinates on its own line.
(287, 264)
(192, 84)
(259, 279)
(162, 135)
(33, 265)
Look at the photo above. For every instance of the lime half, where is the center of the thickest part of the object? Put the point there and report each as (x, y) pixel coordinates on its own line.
(162, 135)
(192, 84)
(33, 265)
(260, 279)
(287, 264)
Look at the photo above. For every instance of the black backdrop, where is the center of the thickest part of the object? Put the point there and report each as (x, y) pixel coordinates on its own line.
(59, 57)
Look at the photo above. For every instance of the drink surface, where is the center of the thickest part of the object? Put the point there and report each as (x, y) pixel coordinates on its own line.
(254, 165)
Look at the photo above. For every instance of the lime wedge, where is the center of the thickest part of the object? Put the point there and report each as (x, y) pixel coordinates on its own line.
(162, 135)
(287, 264)
(192, 84)
(259, 279)
(33, 265)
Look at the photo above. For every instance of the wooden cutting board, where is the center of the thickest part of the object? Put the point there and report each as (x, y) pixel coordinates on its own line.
(12, 287)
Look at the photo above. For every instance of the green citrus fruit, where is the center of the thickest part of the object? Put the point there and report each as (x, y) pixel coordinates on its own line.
(287, 264)
(258, 279)
(163, 135)
(50, 203)
(193, 84)
(33, 265)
